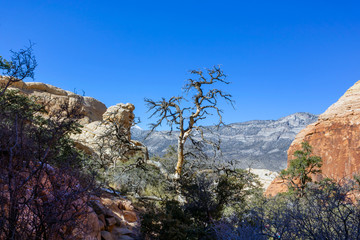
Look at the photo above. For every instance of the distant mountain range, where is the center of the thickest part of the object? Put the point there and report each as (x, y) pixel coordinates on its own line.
(254, 144)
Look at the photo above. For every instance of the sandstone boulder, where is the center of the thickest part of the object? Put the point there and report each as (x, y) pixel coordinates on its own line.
(120, 113)
(94, 132)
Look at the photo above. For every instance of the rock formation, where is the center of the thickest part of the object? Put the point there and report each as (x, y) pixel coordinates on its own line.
(96, 119)
(91, 108)
(108, 217)
(117, 218)
(120, 115)
(335, 137)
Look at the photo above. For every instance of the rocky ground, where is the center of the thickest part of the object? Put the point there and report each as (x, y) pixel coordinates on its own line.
(117, 218)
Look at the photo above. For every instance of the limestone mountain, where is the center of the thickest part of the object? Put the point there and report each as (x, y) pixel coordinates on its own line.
(256, 144)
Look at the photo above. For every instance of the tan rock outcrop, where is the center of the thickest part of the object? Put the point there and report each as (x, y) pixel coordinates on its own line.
(119, 115)
(335, 137)
(96, 118)
(54, 97)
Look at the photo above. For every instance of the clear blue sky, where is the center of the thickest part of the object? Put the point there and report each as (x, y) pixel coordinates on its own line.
(281, 56)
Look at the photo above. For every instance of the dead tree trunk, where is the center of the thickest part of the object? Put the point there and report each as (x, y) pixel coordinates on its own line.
(180, 160)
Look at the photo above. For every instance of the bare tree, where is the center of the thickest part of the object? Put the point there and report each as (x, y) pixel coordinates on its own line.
(204, 102)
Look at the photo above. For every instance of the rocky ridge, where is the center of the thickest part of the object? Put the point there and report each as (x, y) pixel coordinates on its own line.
(95, 119)
(335, 137)
(91, 108)
(260, 144)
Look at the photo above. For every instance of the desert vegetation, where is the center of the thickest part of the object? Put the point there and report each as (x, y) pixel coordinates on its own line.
(231, 205)
(46, 182)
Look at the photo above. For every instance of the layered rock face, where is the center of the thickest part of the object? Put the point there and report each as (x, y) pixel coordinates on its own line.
(335, 137)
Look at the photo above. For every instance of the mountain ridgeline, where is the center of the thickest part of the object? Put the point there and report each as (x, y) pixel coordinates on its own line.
(254, 144)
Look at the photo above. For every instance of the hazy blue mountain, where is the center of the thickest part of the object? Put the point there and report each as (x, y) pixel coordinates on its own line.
(255, 144)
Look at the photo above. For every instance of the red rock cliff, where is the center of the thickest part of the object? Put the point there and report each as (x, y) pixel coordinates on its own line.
(335, 137)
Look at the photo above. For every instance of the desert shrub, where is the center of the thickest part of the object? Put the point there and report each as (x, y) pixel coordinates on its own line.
(199, 201)
(309, 210)
(138, 178)
(169, 221)
(325, 211)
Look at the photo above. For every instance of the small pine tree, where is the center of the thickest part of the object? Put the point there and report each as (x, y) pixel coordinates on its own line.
(299, 173)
